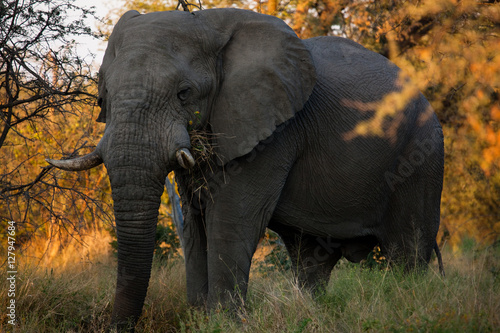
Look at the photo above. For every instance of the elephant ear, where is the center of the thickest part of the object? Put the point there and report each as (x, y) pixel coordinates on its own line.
(114, 43)
(267, 75)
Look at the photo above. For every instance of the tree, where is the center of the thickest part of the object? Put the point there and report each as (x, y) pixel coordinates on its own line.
(450, 49)
(47, 95)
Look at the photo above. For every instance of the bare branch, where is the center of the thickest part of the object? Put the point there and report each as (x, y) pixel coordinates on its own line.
(43, 83)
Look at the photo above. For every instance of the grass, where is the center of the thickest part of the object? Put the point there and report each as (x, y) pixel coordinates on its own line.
(78, 296)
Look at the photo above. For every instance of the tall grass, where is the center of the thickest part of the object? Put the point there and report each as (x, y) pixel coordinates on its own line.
(78, 296)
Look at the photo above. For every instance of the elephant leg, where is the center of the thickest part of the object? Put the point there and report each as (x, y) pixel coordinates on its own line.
(313, 257)
(229, 260)
(234, 228)
(195, 242)
(236, 220)
(412, 220)
(195, 256)
(407, 242)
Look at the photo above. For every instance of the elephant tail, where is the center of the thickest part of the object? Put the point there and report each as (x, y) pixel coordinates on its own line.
(440, 260)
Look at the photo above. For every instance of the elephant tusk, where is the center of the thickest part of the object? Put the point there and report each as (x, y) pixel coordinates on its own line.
(185, 158)
(86, 162)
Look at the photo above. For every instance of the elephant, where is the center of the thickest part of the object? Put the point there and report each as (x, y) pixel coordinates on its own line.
(282, 119)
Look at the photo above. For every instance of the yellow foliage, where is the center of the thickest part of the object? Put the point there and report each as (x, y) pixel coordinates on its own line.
(382, 110)
(50, 250)
(68, 202)
(451, 51)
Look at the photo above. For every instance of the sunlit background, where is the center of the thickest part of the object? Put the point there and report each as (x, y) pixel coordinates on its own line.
(64, 223)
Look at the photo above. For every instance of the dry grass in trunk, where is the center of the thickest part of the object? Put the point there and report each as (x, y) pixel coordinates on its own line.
(203, 148)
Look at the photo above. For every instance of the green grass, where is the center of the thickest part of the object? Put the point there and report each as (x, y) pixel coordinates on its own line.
(79, 299)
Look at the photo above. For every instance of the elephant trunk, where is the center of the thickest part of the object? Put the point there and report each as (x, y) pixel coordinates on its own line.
(137, 183)
(138, 152)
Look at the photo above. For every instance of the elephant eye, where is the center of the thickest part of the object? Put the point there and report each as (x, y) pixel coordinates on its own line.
(183, 95)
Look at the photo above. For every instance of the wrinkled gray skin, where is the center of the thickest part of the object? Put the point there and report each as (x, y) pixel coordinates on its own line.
(282, 107)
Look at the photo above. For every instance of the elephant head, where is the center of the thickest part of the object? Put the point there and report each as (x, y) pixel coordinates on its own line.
(241, 72)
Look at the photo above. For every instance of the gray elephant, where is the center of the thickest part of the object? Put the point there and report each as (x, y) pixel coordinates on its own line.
(282, 112)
